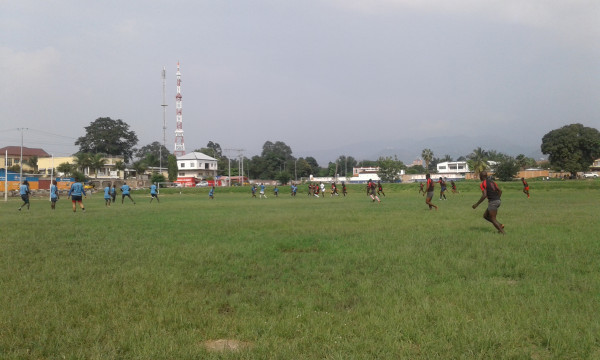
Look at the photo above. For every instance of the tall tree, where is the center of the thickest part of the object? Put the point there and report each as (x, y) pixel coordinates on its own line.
(389, 168)
(303, 168)
(572, 147)
(427, 156)
(274, 158)
(155, 150)
(506, 169)
(477, 160)
(172, 166)
(345, 165)
(108, 136)
(314, 165)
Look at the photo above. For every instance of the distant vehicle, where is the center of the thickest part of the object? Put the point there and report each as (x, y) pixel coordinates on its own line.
(590, 175)
(89, 186)
(202, 184)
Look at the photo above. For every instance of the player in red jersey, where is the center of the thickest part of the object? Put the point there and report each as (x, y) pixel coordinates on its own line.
(430, 186)
(491, 191)
(525, 187)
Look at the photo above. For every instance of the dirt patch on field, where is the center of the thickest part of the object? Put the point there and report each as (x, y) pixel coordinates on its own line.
(223, 345)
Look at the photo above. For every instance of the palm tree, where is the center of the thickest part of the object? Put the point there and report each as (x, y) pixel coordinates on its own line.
(427, 156)
(139, 167)
(120, 166)
(478, 160)
(33, 163)
(82, 161)
(97, 162)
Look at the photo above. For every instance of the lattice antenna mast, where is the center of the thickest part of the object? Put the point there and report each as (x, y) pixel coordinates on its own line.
(164, 106)
(179, 145)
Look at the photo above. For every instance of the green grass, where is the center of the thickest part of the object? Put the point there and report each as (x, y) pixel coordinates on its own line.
(304, 278)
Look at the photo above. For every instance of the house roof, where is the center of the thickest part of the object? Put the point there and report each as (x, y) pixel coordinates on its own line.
(196, 156)
(16, 150)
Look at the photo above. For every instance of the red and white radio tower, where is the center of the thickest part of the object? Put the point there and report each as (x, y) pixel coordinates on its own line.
(179, 146)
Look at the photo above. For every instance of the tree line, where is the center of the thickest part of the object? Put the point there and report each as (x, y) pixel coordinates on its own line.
(571, 148)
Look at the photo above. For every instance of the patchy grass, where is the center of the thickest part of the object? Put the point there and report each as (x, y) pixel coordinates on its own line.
(309, 278)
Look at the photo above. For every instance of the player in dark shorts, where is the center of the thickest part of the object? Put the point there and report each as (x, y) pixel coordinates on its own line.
(113, 193)
(344, 190)
(253, 190)
(53, 195)
(125, 192)
(334, 189)
(372, 188)
(380, 188)
(429, 187)
(490, 191)
(154, 193)
(442, 188)
(75, 193)
(525, 187)
(24, 192)
(422, 188)
(453, 187)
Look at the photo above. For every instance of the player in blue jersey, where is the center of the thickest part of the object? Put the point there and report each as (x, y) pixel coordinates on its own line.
(107, 196)
(262, 191)
(24, 192)
(76, 193)
(113, 193)
(211, 193)
(125, 193)
(153, 193)
(53, 195)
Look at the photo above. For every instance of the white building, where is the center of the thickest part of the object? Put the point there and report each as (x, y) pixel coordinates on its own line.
(196, 165)
(453, 167)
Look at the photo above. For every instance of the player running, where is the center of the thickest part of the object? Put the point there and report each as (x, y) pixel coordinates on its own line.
(113, 193)
(525, 187)
(492, 192)
(422, 189)
(430, 187)
(125, 189)
(371, 186)
(344, 190)
(442, 188)
(380, 188)
(107, 196)
(24, 192)
(153, 193)
(262, 190)
(453, 187)
(211, 193)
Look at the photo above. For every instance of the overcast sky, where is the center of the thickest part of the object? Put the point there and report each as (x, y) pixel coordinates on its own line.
(315, 74)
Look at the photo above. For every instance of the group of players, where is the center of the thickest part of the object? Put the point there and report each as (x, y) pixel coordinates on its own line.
(489, 191)
(77, 193)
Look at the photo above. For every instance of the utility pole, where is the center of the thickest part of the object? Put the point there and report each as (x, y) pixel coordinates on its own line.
(240, 151)
(164, 106)
(21, 159)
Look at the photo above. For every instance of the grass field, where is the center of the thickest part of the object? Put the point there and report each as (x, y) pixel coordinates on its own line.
(304, 278)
